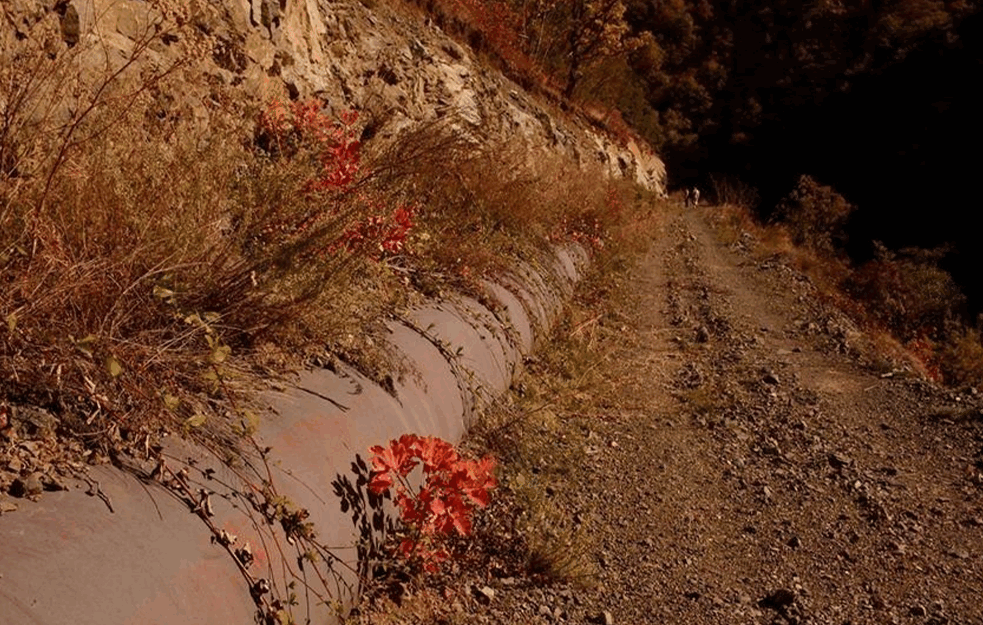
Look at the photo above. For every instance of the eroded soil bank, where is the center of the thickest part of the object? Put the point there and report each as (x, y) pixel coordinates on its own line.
(749, 461)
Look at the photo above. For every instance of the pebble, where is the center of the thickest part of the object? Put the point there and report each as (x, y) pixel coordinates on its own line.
(485, 594)
(778, 600)
(702, 334)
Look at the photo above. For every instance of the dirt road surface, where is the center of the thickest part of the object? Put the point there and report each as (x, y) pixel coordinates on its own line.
(761, 466)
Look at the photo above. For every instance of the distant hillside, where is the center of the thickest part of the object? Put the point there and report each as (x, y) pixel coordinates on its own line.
(877, 99)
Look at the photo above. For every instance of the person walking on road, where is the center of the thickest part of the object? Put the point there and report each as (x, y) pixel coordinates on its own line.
(692, 196)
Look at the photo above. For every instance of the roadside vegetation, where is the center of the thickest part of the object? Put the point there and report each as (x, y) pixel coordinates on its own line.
(153, 270)
(541, 433)
(156, 272)
(904, 299)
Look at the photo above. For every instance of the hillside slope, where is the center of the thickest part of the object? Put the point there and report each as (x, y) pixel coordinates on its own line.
(387, 62)
(194, 208)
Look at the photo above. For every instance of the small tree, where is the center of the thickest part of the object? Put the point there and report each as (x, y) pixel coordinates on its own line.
(816, 215)
(576, 35)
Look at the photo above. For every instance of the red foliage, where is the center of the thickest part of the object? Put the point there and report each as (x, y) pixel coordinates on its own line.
(333, 141)
(290, 129)
(924, 350)
(453, 487)
(386, 233)
(498, 29)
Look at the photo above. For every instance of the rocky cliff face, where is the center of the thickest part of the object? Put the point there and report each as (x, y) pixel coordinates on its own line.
(384, 59)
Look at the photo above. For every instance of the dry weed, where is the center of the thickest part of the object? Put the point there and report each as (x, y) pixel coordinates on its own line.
(961, 359)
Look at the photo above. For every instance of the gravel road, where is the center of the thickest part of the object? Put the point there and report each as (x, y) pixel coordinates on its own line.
(759, 466)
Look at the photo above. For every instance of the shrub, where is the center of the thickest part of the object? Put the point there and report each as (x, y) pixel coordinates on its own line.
(910, 295)
(442, 505)
(961, 358)
(815, 215)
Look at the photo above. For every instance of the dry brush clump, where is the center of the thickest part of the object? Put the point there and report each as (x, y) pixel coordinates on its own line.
(486, 202)
(907, 292)
(961, 358)
(98, 211)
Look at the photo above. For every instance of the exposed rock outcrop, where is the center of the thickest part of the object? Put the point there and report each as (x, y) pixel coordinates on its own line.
(387, 62)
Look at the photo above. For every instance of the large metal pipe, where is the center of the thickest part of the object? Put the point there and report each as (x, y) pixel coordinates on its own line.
(68, 560)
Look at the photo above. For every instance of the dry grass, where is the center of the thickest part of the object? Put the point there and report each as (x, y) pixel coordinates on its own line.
(488, 202)
(153, 269)
(137, 256)
(542, 433)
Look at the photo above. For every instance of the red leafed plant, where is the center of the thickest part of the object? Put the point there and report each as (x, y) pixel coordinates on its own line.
(442, 506)
(387, 233)
(334, 141)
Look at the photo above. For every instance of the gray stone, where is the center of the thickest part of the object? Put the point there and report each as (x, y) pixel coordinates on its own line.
(838, 461)
(35, 422)
(604, 618)
(54, 482)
